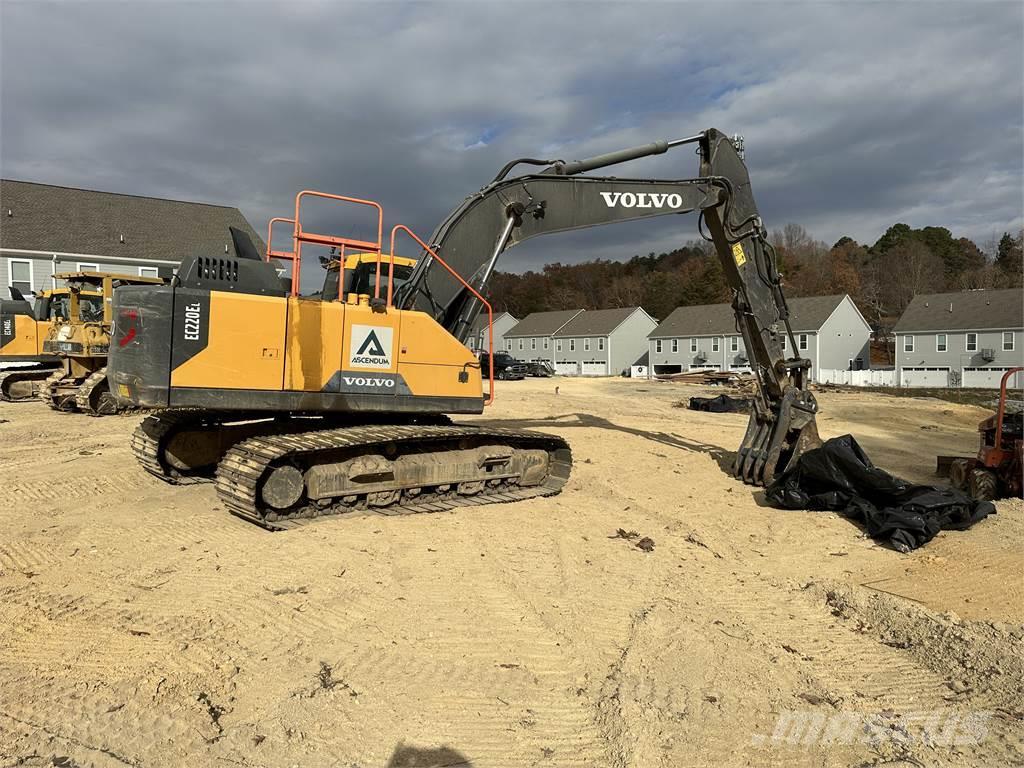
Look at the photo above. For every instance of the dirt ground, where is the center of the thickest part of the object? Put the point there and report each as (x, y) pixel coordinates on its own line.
(142, 625)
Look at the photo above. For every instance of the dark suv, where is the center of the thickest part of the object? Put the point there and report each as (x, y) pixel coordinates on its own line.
(506, 367)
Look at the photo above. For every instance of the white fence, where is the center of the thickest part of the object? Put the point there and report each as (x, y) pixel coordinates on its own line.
(869, 378)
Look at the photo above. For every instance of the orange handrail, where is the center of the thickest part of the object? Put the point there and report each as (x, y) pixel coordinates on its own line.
(290, 255)
(299, 237)
(457, 276)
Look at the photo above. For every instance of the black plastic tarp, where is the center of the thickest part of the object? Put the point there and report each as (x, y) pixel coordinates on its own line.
(720, 404)
(839, 476)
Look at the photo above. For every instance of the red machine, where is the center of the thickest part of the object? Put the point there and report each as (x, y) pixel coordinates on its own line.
(996, 471)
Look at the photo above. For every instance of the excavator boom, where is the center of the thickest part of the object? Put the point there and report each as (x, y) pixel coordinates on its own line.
(560, 198)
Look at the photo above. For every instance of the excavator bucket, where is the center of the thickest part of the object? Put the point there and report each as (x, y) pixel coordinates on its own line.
(776, 437)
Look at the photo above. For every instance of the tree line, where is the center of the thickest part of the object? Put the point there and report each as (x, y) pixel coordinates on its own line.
(881, 278)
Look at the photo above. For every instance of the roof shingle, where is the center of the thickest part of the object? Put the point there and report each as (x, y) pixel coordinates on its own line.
(542, 323)
(68, 220)
(597, 322)
(806, 314)
(963, 310)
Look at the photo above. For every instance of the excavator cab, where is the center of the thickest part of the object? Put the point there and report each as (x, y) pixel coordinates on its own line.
(360, 275)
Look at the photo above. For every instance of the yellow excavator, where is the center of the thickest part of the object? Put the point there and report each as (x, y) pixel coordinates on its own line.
(79, 338)
(300, 406)
(23, 328)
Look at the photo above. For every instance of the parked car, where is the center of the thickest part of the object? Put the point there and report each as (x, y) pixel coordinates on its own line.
(540, 369)
(506, 367)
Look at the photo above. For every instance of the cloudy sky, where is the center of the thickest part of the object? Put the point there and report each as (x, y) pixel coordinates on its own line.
(856, 115)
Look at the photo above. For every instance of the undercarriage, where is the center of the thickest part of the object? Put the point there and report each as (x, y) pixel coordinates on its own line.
(282, 472)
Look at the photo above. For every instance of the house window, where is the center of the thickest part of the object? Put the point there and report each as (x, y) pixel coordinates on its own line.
(657, 345)
(508, 345)
(520, 345)
(908, 343)
(472, 345)
(545, 342)
(940, 342)
(572, 345)
(88, 267)
(693, 345)
(148, 272)
(972, 343)
(803, 341)
(20, 275)
(1007, 341)
(714, 344)
(734, 344)
(600, 344)
(783, 340)
(675, 345)
(558, 345)
(586, 345)
(533, 343)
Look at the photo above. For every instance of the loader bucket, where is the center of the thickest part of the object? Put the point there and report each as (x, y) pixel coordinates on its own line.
(776, 437)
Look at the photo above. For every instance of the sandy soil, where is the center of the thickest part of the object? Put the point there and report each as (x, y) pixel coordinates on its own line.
(142, 625)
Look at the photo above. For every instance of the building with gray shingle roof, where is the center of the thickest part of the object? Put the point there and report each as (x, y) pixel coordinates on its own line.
(830, 332)
(602, 342)
(45, 229)
(599, 342)
(963, 338)
(532, 337)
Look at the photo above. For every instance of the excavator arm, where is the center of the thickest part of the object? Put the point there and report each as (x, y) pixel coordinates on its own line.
(559, 198)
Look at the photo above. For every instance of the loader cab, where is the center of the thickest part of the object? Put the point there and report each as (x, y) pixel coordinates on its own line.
(56, 304)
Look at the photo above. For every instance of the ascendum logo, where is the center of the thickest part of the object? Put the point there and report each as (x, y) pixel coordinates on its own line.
(370, 346)
(642, 200)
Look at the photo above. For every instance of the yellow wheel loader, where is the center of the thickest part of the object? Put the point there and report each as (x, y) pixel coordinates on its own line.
(23, 329)
(338, 402)
(79, 338)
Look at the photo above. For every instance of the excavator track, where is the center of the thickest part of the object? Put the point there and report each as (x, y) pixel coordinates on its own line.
(150, 439)
(9, 380)
(48, 393)
(153, 439)
(93, 396)
(245, 473)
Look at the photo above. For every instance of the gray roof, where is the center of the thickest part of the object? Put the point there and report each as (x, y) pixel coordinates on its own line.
(481, 321)
(598, 322)
(806, 314)
(542, 323)
(68, 220)
(967, 310)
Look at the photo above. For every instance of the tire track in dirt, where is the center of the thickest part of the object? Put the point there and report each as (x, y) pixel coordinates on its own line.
(73, 489)
(56, 630)
(512, 694)
(118, 721)
(25, 555)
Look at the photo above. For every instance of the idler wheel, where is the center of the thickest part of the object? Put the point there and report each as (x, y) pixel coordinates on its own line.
(284, 487)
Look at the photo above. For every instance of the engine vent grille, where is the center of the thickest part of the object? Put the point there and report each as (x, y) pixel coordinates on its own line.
(225, 270)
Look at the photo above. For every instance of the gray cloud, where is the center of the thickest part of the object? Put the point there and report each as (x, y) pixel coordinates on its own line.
(855, 115)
